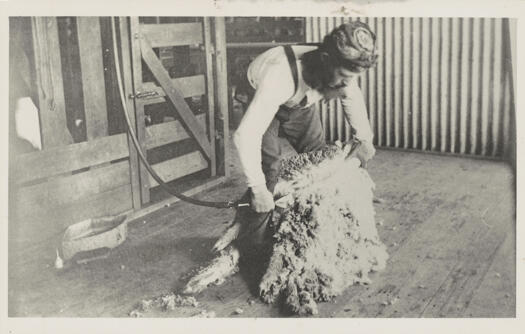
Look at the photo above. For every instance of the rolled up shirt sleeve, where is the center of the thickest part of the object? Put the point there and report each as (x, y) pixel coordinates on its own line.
(355, 111)
(273, 89)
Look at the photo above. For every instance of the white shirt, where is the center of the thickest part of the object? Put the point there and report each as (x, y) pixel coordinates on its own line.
(271, 76)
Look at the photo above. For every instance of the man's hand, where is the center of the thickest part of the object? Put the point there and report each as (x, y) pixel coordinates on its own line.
(262, 199)
(365, 152)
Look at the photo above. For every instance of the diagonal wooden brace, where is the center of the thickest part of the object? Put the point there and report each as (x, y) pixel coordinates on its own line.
(188, 119)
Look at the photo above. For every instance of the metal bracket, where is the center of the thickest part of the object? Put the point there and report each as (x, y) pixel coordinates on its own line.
(143, 95)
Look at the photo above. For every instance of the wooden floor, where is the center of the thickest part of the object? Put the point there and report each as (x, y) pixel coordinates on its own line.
(449, 224)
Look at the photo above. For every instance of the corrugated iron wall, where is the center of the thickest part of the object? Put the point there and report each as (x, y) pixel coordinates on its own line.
(441, 84)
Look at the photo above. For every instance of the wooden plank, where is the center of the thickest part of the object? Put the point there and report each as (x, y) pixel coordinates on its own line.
(422, 256)
(222, 91)
(50, 85)
(136, 59)
(168, 132)
(210, 92)
(127, 81)
(36, 165)
(456, 292)
(496, 295)
(93, 85)
(172, 34)
(189, 86)
(38, 198)
(462, 257)
(172, 169)
(173, 92)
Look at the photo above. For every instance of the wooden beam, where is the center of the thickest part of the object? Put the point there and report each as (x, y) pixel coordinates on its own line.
(127, 69)
(172, 34)
(222, 91)
(169, 132)
(178, 167)
(189, 86)
(93, 85)
(50, 85)
(208, 50)
(173, 92)
(139, 105)
(71, 188)
(37, 165)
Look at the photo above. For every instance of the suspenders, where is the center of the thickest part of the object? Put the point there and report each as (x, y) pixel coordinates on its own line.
(295, 74)
(293, 65)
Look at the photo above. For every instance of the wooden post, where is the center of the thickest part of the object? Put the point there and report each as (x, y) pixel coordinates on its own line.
(210, 93)
(93, 86)
(139, 105)
(222, 90)
(127, 79)
(50, 86)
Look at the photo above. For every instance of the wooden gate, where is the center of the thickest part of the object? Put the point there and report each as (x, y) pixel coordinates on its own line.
(157, 87)
(88, 166)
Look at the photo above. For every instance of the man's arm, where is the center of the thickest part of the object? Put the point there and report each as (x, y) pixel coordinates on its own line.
(275, 88)
(356, 114)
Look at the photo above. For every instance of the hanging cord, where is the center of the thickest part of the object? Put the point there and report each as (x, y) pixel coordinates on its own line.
(162, 184)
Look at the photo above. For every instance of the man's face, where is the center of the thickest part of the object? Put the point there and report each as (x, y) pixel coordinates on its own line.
(340, 77)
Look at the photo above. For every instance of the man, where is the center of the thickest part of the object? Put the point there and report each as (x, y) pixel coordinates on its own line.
(286, 82)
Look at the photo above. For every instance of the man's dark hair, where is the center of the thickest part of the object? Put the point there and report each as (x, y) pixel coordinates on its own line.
(351, 45)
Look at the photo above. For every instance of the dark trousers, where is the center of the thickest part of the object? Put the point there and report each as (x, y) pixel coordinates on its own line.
(303, 129)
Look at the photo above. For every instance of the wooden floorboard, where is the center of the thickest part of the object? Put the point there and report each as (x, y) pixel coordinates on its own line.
(448, 224)
(494, 297)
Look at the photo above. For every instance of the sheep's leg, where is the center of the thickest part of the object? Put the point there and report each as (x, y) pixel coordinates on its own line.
(220, 268)
(227, 237)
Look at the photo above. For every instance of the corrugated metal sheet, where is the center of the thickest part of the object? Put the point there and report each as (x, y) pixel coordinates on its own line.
(441, 84)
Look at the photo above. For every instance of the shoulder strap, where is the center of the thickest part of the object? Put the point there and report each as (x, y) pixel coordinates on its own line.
(293, 64)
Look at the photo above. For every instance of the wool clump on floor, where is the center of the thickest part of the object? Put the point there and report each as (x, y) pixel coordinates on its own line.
(166, 302)
(326, 238)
